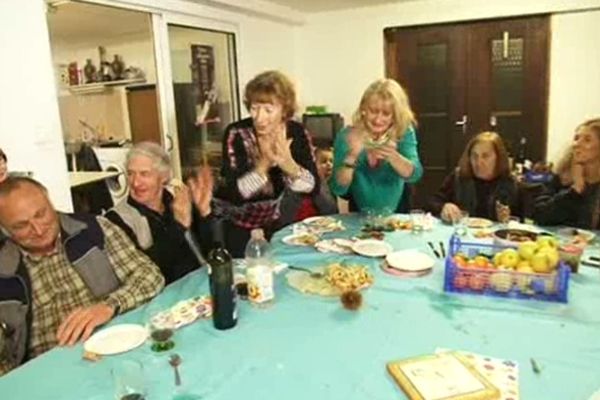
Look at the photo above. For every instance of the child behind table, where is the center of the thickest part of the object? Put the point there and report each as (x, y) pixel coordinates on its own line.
(296, 207)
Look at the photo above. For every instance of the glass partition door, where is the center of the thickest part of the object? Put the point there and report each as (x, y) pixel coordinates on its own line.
(200, 84)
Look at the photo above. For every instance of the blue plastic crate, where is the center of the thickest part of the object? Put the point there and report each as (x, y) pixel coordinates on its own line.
(502, 283)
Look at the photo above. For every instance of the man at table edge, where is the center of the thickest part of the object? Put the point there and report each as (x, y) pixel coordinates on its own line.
(61, 275)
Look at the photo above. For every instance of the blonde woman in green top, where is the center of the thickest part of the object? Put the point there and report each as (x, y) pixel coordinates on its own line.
(377, 155)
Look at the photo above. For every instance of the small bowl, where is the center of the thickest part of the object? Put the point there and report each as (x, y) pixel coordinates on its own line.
(513, 237)
(571, 255)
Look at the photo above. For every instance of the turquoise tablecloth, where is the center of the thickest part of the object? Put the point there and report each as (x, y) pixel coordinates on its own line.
(305, 347)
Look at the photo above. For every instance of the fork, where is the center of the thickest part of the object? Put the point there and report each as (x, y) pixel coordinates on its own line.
(313, 274)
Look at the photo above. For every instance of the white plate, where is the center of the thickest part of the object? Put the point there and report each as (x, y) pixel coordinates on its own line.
(372, 248)
(293, 239)
(312, 220)
(344, 242)
(329, 246)
(323, 224)
(116, 339)
(410, 260)
(478, 223)
(572, 233)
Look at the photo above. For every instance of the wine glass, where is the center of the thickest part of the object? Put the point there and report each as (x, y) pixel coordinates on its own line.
(128, 377)
(161, 329)
(460, 223)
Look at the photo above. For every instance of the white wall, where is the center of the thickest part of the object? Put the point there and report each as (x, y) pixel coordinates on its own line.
(341, 52)
(268, 45)
(29, 122)
(574, 76)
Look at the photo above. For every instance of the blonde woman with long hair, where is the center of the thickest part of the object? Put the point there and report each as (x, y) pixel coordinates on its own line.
(377, 155)
(573, 196)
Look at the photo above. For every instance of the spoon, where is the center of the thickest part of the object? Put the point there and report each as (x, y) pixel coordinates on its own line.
(175, 362)
(313, 274)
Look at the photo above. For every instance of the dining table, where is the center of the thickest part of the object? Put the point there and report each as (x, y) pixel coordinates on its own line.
(304, 346)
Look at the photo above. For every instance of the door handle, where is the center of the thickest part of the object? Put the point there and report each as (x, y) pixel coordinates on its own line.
(463, 123)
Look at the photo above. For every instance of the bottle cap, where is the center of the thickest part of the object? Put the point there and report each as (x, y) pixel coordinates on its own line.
(257, 234)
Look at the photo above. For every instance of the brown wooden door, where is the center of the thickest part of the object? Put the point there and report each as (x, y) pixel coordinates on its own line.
(469, 77)
(428, 62)
(143, 114)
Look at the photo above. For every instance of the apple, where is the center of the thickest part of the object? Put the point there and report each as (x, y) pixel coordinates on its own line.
(524, 266)
(477, 282)
(523, 283)
(510, 258)
(460, 281)
(497, 259)
(481, 261)
(545, 240)
(540, 262)
(527, 249)
(552, 255)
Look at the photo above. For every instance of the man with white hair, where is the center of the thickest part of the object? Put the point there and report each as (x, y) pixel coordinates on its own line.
(173, 229)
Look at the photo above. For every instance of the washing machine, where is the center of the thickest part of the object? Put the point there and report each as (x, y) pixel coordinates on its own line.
(112, 159)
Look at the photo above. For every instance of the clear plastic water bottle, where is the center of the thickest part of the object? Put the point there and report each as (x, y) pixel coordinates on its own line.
(259, 269)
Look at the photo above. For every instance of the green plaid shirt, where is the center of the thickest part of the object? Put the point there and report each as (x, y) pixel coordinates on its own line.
(58, 289)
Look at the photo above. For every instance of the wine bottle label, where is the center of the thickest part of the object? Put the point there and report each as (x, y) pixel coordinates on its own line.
(260, 284)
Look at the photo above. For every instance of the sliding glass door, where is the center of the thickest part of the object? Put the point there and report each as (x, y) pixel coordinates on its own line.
(200, 87)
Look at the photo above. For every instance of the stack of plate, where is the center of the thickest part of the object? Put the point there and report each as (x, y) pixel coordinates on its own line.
(372, 248)
(408, 263)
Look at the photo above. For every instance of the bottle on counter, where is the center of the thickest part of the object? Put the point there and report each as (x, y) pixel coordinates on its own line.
(222, 288)
(259, 269)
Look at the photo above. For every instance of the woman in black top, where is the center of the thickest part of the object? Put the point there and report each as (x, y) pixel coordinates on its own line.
(481, 181)
(573, 196)
(262, 156)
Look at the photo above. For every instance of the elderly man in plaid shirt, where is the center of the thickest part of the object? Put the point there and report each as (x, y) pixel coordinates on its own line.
(61, 275)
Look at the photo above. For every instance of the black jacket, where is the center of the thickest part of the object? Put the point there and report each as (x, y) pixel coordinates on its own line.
(561, 205)
(476, 196)
(168, 243)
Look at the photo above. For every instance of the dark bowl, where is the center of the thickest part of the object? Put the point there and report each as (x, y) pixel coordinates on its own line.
(512, 237)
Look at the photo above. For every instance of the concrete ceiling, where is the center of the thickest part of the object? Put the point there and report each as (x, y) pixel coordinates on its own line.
(79, 22)
(310, 6)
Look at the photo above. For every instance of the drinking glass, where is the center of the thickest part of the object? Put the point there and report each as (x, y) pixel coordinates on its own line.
(513, 221)
(460, 223)
(161, 328)
(417, 217)
(128, 377)
(502, 212)
(368, 216)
